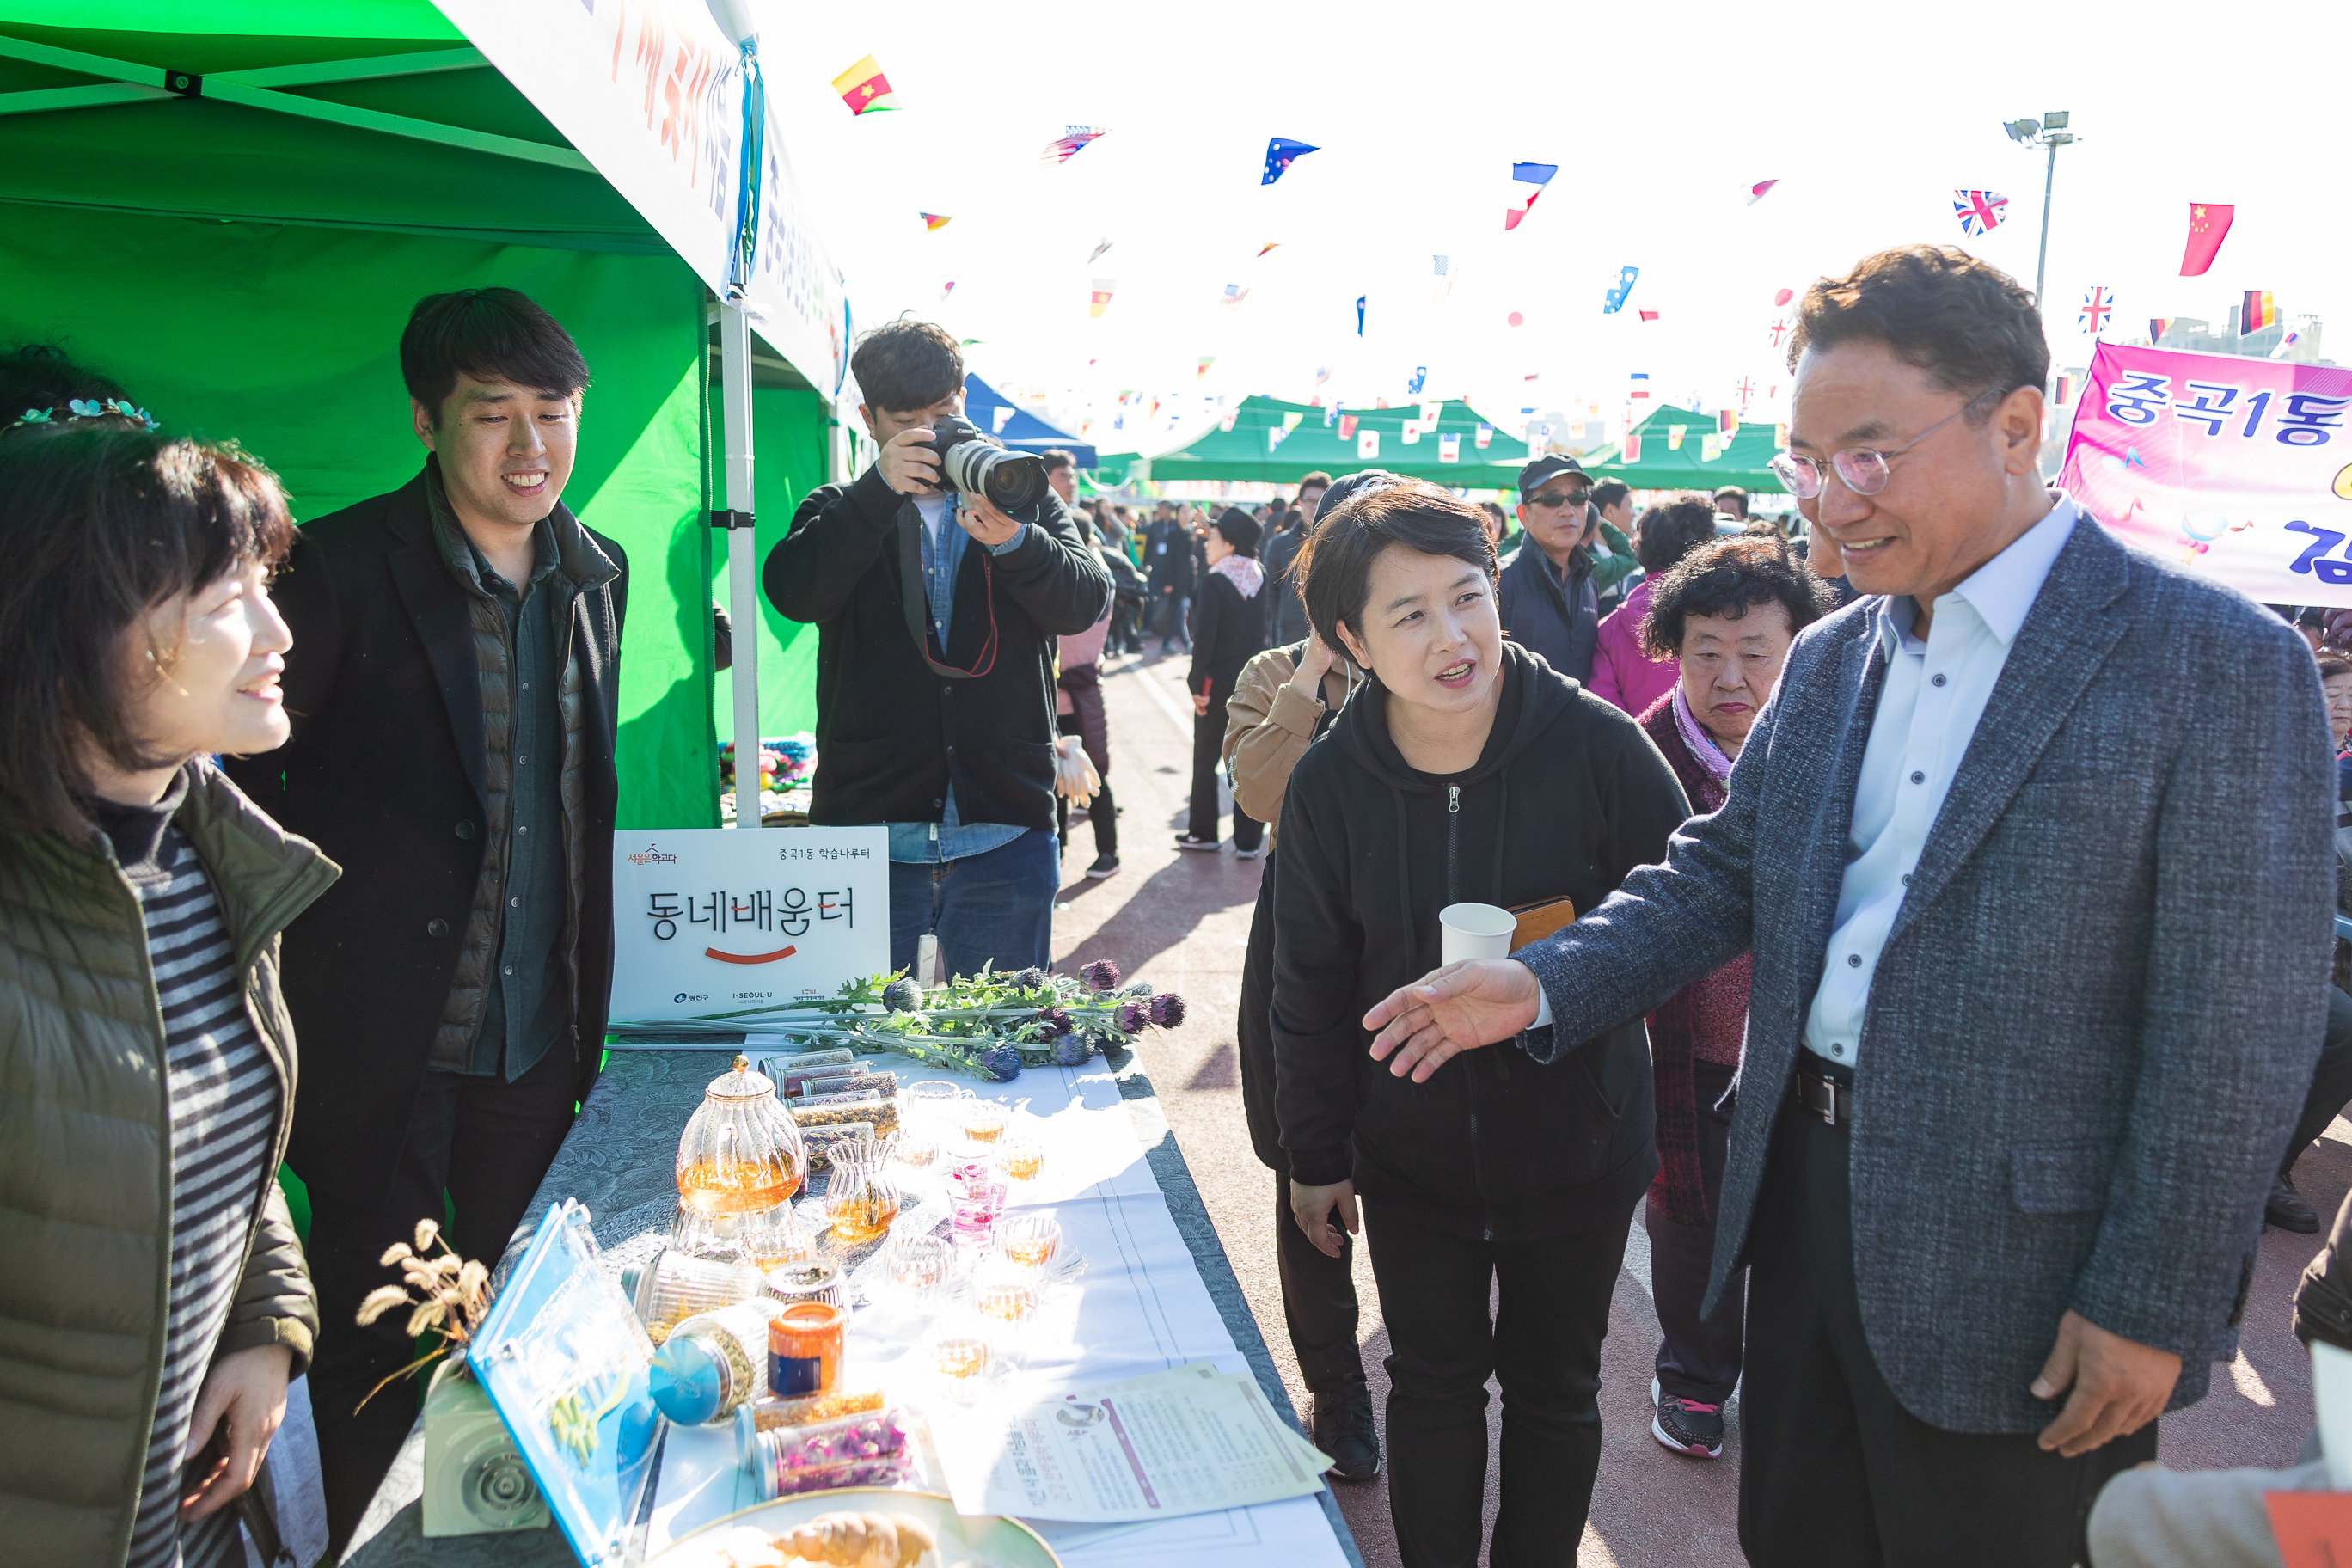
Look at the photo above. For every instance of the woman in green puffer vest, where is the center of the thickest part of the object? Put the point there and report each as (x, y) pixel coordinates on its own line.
(156, 1302)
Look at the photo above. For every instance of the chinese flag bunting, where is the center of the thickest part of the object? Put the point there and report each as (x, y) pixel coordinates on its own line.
(1632, 448)
(2208, 225)
(1346, 427)
(2257, 312)
(935, 222)
(864, 89)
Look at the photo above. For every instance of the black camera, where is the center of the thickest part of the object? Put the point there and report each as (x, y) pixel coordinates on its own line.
(976, 463)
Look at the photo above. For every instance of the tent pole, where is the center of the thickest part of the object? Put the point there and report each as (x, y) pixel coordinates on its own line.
(742, 567)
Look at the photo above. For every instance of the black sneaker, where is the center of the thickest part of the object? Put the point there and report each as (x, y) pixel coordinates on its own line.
(1186, 841)
(1104, 865)
(1341, 1427)
(1685, 1426)
(2287, 1210)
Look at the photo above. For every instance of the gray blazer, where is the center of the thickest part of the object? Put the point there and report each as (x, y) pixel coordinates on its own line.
(2097, 1015)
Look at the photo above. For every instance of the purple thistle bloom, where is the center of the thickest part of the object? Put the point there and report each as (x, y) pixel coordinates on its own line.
(1054, 1022)
(1001, 1064)
(1102, 974)
(1167, 1009)
(1072, 1051)
(1133, 1017)
(902, 995)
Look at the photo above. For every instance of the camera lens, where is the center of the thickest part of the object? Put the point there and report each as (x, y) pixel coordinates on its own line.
(1012, 480)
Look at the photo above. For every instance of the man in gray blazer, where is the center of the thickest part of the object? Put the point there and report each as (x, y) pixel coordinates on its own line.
(2032, 849)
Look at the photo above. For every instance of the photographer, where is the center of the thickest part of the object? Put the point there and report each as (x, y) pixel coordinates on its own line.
(886, 569)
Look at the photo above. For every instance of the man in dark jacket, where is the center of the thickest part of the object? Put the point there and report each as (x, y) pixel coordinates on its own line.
(1168, 557)
(1550, 604)
(1285, 615)
(452, 691)
(936, 617)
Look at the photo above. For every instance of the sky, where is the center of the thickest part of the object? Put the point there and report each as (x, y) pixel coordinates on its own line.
(1659, 119)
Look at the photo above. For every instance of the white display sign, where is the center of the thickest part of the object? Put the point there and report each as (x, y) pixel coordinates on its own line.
(708, 921)
(651, 92)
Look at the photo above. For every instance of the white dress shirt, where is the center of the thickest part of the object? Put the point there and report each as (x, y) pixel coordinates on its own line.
(1935, 691)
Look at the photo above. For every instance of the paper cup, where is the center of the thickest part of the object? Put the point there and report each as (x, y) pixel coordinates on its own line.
(1476, 930)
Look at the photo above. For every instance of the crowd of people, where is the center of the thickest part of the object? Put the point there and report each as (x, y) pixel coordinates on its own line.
(1953, 1064)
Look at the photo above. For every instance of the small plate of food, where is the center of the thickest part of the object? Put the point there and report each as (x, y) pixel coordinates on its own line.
(859, 1527)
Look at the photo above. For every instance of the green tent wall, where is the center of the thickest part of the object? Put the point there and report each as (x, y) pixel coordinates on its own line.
(247, 273)
(1742, 462)
(1241, 453)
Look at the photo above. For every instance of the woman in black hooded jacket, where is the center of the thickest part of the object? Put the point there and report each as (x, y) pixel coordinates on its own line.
(1466, 771)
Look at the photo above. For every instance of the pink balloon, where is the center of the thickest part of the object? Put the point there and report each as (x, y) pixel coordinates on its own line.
(1518, 320)
(1784, 295)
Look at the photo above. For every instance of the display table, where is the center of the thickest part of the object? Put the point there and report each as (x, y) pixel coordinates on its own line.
(1149, 1302)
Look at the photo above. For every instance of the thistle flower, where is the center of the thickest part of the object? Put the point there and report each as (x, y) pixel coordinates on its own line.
(1102, 974)
(1133, 1017)
(1053, 1023)
(1001, 1064)
(1140, 988)
(1073, 1050)
(1167, 1009)
(902, 995)
(1030, 979)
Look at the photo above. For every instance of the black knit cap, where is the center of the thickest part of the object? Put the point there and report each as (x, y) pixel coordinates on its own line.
(1239, 529)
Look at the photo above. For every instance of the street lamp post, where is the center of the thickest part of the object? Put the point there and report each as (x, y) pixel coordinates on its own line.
(2049, 131)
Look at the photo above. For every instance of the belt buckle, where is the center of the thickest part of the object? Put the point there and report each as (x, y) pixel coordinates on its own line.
(1828, 1107)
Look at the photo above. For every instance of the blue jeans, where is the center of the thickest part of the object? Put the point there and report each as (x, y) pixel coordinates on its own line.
(995, 906)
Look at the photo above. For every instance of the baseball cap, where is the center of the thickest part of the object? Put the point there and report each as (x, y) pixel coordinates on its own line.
(1532, 477)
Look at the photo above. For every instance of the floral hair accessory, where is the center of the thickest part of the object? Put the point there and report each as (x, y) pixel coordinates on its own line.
(88, 408)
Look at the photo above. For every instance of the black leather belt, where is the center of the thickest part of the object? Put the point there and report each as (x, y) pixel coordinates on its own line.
(1828, 1098)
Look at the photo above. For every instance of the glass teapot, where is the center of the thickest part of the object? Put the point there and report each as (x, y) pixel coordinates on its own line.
(740, 1153)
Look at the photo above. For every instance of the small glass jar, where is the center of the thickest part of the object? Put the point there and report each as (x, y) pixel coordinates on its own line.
(975, 1199)
(740, 1153)
(808, 1279)
(861, 1196)
(675, 1286)
(804, 1343)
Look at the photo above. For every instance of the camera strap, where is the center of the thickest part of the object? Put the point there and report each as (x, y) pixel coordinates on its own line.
(918, 609)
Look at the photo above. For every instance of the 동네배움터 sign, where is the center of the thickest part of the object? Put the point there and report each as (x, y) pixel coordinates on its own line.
(710, 921)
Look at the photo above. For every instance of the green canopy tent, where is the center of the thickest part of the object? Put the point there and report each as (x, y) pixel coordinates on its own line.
(1742, 461)
(230, 205)
(1256, 449)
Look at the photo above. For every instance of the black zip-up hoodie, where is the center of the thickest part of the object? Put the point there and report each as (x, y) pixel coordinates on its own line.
(1567, 798)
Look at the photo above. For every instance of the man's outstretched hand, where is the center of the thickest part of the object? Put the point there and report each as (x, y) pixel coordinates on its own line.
(1457, 1008)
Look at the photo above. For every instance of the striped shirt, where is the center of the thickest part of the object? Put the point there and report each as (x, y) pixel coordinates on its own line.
(223, 1099)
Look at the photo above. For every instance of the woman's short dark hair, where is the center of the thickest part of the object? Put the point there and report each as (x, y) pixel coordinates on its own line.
(1727, 579)
(490, 334)
(907, 364)
(1334, 569)
(1671, 531)
(1970, 325)
(2332, 663)
(99, 526)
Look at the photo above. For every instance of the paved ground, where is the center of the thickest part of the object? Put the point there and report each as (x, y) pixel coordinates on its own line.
(1180, 919)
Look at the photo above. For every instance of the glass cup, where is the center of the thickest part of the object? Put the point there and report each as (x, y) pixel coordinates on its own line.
(931, 1105)
(1009, 1301)
(1020, 1156)
(914, 1154)
(981, 1120)
(1029, 1240)
(975, 1200)
(960, 1363)
(861, 1198)
(920, 1266)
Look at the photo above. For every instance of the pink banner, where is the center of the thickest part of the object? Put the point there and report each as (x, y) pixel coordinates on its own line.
(2242, 469)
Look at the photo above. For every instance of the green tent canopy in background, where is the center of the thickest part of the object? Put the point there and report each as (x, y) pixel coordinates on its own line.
(1742, 461)
(246, 273)
(1244, 452)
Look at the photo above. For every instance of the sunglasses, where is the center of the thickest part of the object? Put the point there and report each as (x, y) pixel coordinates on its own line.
(1861, 470)
(1555, 500)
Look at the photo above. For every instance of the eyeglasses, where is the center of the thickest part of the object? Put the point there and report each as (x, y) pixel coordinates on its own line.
(1556, 499)
(1861, 469)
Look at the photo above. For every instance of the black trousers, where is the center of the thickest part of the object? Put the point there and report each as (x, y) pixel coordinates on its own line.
(1318, 1291)
(1698, 1360)
(1833, 1470)
(1173, 627)
(1208, 755)
(2331, 1079)
(1543, 1344)
(1103, 812)
(486, 1142)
